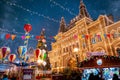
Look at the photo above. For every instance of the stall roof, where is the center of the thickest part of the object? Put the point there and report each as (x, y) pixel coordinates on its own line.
(100, 62)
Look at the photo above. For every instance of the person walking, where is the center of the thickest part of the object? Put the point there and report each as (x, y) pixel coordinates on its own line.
(115, 77)
(5, 77)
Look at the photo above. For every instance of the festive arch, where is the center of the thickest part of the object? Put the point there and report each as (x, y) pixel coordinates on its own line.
(70, 60)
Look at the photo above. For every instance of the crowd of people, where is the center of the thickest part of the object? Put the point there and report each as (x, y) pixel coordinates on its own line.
(72, 77)
(97, 77)
(6, 77)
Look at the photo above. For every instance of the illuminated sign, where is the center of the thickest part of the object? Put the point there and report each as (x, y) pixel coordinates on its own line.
(89, 54)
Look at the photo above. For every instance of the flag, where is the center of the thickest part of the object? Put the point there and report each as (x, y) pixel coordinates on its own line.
(7, 36)
(75, 36)
(23, 37)
(27, 37)
(13, 36)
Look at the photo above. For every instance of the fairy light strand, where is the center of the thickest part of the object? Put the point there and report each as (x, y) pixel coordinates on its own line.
(31, 12)
(62, 7)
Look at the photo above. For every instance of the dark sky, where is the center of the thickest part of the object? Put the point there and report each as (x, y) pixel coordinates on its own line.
(46, 14)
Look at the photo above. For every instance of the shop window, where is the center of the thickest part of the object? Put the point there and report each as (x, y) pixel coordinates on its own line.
(77, 45)
(63, 50)
(66, 49)
(55, 64)
(93, 41)
(84, 45)
(99, 39)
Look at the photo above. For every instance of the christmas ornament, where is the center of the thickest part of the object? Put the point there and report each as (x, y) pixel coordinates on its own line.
(5, 51)
(27, 27)
(11, 57)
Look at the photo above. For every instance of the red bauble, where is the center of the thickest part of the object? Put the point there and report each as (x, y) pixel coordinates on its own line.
(37, 53)
(11, 57)
(27, 27)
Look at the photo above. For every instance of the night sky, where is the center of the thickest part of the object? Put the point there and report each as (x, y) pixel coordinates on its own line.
(46, 14)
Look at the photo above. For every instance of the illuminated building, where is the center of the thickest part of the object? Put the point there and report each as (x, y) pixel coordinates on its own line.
(101, 35)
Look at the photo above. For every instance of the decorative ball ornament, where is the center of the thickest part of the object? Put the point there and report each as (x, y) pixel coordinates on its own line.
(12, 57)
(45, 45)
(5, 51)
(22, 50)
(44, 55)
(27, 27)
(43, 51)
(37, 53)
(43, 40)
(44, 63)
(39, 61)
(99, 62)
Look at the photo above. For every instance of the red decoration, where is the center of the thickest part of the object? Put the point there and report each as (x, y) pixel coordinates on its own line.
(75, 36)
(37, 37)
(27, 27)
(12, 57)
(43, 40)
(108, 35)
(37, 53)
(86, 36)
(98, 36)
(7, 36)
(5, 51)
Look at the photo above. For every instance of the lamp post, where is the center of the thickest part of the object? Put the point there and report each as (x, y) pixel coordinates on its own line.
(76, 52)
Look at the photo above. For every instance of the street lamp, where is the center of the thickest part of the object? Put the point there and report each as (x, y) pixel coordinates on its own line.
(76, 51)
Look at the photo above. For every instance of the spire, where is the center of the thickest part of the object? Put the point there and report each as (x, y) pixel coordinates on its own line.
(62, 25)
(83, 11)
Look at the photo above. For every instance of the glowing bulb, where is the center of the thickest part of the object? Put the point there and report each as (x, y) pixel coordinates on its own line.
(99, 61)
(39, 61)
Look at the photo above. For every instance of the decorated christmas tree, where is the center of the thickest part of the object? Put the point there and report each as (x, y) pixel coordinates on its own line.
(42, 49)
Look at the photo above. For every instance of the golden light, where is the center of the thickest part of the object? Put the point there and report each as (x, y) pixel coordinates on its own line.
(76, 49)
(99, 62)
(39, 61)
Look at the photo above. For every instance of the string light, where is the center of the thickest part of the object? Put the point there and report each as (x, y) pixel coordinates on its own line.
(62, 7)
(31, 12)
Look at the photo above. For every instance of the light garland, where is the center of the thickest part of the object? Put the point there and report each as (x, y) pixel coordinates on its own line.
(62, 7)
(30, 11)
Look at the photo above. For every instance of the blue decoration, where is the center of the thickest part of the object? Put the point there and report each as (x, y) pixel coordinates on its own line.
(24, 51)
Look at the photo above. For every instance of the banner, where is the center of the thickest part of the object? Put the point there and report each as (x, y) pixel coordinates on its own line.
(89, 54)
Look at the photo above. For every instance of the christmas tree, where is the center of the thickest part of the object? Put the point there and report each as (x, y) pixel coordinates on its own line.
(42, 45)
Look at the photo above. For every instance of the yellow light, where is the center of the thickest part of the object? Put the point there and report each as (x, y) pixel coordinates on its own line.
(76, 49)
(39, 61)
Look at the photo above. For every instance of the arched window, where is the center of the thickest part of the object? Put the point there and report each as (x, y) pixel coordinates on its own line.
(83, 43)
(93, 40)
(98, 36)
